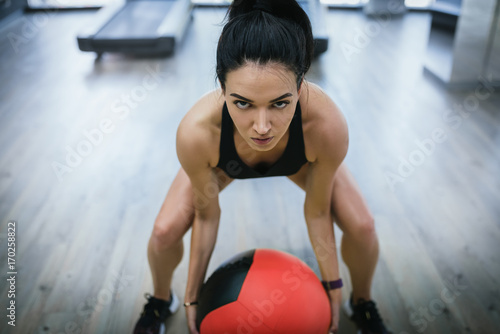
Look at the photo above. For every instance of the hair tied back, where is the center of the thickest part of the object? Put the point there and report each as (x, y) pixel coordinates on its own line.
(264, 6)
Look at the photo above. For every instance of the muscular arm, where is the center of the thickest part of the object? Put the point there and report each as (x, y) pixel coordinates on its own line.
(330, 142)
(194, 156)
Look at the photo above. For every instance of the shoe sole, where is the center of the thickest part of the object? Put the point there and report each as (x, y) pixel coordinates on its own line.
(175, 304)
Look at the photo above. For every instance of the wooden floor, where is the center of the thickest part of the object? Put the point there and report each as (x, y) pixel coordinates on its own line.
(87, 154)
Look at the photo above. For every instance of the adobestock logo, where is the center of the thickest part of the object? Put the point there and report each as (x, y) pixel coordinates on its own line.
(423, 316)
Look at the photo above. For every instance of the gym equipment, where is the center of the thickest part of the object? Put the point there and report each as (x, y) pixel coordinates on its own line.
(138, 27)
(263, 291)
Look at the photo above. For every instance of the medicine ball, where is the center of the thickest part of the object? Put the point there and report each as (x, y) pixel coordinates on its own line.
(263, 291)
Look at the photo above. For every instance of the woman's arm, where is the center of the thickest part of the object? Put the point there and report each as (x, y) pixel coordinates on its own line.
(329, 142)
(194, 156)
(319, 220)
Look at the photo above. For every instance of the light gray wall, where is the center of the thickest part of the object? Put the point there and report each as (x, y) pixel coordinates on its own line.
(472, 40)
(492, 67)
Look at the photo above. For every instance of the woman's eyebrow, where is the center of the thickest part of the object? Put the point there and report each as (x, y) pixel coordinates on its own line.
(250, 101)
(281, 97)
(241, 97)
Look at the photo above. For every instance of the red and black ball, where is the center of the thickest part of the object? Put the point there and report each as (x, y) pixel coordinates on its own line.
(263, 291)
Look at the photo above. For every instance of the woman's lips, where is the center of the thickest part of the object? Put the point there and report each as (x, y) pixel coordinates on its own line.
(262, 141)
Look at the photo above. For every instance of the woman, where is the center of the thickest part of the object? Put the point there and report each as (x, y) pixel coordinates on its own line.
(265, 120)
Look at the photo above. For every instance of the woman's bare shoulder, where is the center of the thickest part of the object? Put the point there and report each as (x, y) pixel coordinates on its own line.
(206, 111)
(324, 125)
(316, 103)
(198, 134)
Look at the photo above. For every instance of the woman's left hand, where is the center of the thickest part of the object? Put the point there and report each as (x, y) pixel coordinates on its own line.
(335, 302)
(191, 319)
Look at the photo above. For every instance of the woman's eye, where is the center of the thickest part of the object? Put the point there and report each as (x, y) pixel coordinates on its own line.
(281, 104)
(242, 104)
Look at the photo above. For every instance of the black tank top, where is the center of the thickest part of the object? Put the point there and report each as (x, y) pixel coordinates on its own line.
(292, 159)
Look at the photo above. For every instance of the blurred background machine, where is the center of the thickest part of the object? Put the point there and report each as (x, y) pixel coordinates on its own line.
(139, 27)
(154, 27)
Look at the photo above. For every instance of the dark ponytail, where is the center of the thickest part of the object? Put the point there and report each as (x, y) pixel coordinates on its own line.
(269, 31)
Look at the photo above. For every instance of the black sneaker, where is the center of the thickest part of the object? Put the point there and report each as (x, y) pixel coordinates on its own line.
(366, 317)
(156, 311)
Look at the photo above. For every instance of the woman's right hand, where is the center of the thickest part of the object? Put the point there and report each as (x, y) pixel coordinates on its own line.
(191, 319)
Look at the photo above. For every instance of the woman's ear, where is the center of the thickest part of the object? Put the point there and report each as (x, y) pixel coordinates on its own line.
(222, 88)
(301, 85)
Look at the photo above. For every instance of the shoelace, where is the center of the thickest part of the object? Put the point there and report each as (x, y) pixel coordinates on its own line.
(151, 308)
(370, 310)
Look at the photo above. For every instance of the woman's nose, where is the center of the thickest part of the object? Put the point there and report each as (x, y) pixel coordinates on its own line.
(262, 125)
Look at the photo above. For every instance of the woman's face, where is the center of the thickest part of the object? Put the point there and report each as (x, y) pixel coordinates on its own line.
(261, 100)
